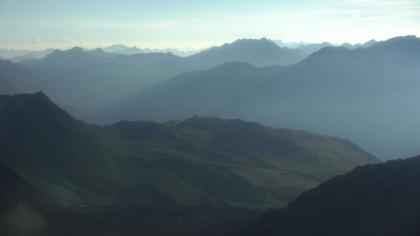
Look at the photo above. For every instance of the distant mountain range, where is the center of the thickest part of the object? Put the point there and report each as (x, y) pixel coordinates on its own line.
(101, 79)
(377, 199)
(188, 172)
(20, 78)
(122, 49)
(16, 55)
(365, 94)
(355, 86)
(261, 52)
(126, 50)
(310, 48)
(192, 162)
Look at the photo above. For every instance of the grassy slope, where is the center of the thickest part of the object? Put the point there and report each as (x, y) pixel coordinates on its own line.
(212, 161)
(195, 162)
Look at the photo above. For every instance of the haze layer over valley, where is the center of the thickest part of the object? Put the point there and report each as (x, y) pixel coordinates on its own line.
(210, 118)
(362, 92)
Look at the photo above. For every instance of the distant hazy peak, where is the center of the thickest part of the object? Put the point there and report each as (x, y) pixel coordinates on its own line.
(77, 50)
(401, 41)
(97, 50)
(123, 49)
(407, 37)
(328, 53)
(250, 42)
(74, 49)
(370, 43)
(261, 40)
(119, 47)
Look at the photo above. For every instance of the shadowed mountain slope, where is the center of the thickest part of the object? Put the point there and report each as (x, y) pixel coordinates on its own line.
(19, 77)
(377, 199)
(24, 210)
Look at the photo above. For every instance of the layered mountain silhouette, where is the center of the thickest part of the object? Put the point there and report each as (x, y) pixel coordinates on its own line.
(359, 45)
(62, 61)
(20, 78)
(32, 55)
(309, 48)
(261, 52)
(208, 93)
(17, 55)
(126, 50)
(365, 94)
(100, 78)
(379, 199)
(193, 162)
(313, 47)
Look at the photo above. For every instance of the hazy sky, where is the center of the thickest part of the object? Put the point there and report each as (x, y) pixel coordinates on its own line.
(184, 24)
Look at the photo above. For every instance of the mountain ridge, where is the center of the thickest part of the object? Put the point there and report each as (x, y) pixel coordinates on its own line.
(195, 162)
(101, 79)
(370, 200)
(333, 82)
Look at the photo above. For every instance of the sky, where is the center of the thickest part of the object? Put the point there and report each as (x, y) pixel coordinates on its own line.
(195, 24)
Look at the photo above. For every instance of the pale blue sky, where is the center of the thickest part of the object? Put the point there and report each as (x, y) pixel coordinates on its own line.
(38, 24)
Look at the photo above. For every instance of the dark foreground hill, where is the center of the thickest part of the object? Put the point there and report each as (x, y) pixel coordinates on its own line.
(192, 162)
(27, 211)
(22, 208)
(381, 199)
